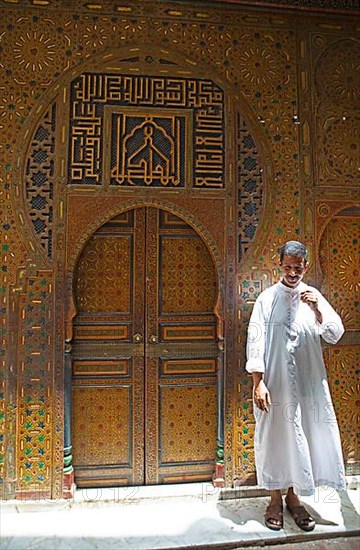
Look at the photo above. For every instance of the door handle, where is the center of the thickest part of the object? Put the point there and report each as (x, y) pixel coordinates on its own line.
(153, 339)
(137, 338)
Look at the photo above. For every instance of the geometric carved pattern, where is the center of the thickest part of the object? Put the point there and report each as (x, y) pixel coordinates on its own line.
(2, 425)
(245, 429)
(339, 259)
(189, 366)
(107, 332)
(114, 9)
(101, 425)
(250, 187)
(337, 74)
(249, 287)
(337, 80)
(147, 149)
(345, 390)
(101, 368)
(35, 379)
(189, 332)
(103, 275)
(188, 281)
(339, 142)
(39, 179)
(189, 432)
(90, 93)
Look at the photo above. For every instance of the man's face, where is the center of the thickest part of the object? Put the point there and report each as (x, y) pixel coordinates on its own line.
(293, 270)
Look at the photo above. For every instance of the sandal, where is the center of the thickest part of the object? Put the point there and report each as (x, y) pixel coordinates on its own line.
(274, 512)
(301, 517)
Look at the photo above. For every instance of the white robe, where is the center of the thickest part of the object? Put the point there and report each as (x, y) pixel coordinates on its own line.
(297, 443)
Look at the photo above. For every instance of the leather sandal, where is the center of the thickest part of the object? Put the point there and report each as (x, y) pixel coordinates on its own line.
(301, 517)
(274, 512)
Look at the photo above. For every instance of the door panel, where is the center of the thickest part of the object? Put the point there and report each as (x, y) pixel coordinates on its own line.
(108, 356)
(107, 263)
(185, 357)
(145, 354)
(187, 276)
(108, 425)
(186, 429)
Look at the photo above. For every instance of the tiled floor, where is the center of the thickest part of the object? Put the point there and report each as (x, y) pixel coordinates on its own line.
(167, 517)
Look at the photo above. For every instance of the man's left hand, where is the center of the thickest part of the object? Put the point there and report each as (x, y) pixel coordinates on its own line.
(310, 298)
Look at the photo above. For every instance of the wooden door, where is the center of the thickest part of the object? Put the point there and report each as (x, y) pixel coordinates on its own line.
(144, 354)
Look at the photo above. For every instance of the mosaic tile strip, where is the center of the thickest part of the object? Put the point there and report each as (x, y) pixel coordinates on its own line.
(2, 426)
(35, 416)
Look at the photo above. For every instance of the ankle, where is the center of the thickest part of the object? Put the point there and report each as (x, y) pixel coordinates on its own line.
(292, 497)
(276, 498)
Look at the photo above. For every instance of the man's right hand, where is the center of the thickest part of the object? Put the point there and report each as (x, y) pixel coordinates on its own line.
(261, 396)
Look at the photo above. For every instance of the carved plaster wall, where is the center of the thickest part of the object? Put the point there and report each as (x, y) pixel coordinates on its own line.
(286, 168)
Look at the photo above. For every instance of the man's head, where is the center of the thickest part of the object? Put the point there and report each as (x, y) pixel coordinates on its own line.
(293, 263)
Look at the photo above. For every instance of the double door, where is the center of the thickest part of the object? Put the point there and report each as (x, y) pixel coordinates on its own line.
(144, 357)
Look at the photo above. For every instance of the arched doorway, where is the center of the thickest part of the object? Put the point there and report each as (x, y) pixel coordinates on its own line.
(144, 356)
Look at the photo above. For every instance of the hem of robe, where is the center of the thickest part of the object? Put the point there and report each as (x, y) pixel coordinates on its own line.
(301, 491)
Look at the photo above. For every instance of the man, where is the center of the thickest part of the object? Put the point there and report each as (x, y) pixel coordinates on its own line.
(297, 441)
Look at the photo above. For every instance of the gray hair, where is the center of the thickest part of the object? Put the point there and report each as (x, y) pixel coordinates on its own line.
(293, 248)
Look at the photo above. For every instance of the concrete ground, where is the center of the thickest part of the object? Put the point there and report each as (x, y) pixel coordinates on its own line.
(195, 516)
(339, 543)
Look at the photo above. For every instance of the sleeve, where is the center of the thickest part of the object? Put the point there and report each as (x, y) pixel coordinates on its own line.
(255, 346)
(331, 329)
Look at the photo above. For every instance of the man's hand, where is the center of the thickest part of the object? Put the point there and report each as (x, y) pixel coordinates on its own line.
(310, 298)
(261, 396)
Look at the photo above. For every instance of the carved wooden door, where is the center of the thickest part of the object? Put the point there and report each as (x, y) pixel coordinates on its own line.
(144, 354)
